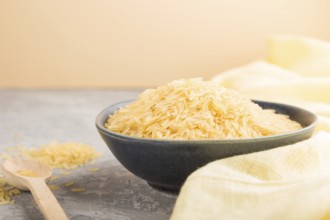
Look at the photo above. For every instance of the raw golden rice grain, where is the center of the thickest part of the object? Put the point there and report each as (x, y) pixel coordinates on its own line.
(94, 169)
(68, 184)
(29, 173)
(78, 189)
(53, 187)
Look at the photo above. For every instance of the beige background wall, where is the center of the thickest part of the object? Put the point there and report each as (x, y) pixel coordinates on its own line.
(134, 43)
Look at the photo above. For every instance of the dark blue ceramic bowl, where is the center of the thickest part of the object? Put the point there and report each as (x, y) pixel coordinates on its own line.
(167, 163)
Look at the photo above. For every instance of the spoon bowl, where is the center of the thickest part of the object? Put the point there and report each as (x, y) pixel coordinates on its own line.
(13, 166)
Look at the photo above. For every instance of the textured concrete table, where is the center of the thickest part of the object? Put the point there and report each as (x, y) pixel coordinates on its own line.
(34, 117)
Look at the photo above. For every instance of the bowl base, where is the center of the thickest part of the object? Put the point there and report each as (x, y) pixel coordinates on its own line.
(165, 188)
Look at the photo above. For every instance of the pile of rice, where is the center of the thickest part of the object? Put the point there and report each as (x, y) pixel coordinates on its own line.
(67, 155)
(195, 109)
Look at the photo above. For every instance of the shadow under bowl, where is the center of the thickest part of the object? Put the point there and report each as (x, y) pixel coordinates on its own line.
(166, 163)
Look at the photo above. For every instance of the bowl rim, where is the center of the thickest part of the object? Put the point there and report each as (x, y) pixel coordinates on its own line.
(101, 128)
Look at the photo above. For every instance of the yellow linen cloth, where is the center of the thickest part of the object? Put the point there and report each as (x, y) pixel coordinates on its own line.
(289, 182)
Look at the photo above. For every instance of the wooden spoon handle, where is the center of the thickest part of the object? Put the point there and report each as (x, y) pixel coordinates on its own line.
(46, 200)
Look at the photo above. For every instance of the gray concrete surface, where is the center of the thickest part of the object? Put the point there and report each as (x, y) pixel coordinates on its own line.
(34, 117)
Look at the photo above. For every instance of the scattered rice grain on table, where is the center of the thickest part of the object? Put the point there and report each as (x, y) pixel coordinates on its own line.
(68, 184)
(7, 192)
(77, 189)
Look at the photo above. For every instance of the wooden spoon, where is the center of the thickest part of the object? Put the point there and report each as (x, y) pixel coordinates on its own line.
(44, 198)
